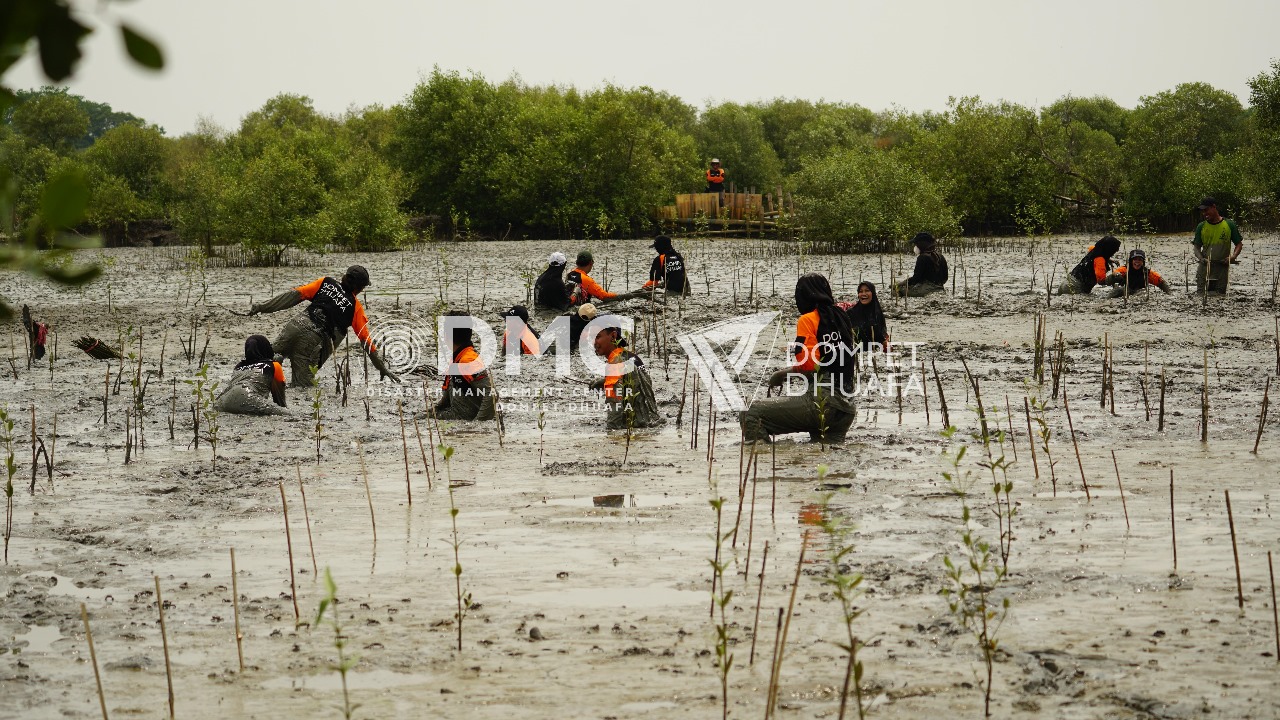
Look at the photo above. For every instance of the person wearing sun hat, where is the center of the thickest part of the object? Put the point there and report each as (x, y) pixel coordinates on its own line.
(715, 177)
(1213, 246)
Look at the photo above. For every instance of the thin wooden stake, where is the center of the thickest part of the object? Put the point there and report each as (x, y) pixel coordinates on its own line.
(93, 657)
(786, 627)
(418, 433)
(1173, 522)
(1072, 427)
(1275, 616)
(306, 515)
(164, 639)
(1262, 415)
(1204, 401)
(1026, 408)
(1123, 504)
(760, 594)
(367, 492)
(235, 605)
(1160, 421)
(293, 584)
(404, 446)
(942, 396)
(1235, 551)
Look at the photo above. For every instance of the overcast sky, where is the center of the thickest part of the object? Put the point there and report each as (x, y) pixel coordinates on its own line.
(225, 58)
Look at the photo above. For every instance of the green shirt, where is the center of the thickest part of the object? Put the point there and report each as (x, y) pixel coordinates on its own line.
(1216, 238)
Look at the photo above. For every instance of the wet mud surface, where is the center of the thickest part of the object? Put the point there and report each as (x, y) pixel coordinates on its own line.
(587, 556)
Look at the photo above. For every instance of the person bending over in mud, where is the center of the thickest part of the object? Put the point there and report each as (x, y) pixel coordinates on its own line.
(308, 339)
(549, 290)
(530, 343)
(1092, 268)
(583, 289)
(628, 390)
(668, 269)
(930, 274)
(468, 392)
(1136, 276)
(866, 317)
(824, 357)
(257, 384)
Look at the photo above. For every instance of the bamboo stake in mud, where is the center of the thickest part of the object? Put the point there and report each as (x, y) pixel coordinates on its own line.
(1026, 408)
(751, 519)
(1235, 551)
(1173, 523)
(367, 492)
(1160, 421)
(1009, 418)
(780, 651)
(293, 584)
(1275, 615)
(418, 433)
(1204, 402)
(942, 396)
(924, 390)
(235, 608)
(1145, 402)
(755, 624)
(306, 515)
(1262, 416)
(1120, 484)
(404, 446)
(684, 387)
(164, 638)
(1071, 426)
(93, 657)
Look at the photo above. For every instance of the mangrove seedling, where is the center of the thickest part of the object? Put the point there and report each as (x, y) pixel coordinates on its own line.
(10, 469)
(317, 413)
(846, 586)
(721, 600)
(464, 599)
(345, 662)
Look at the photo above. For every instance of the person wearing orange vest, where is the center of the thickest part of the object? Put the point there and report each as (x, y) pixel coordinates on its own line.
(530, 343)
(586, 290)
(309, 338)
(715, 177)
(1135, 276)
(668, 269)
(468, 393)
(628, 390)
(257, 384)
(1092, 268)
(824, 352)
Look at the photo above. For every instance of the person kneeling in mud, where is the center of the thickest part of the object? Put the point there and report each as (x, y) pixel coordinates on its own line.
(309, 338)
(825, 359)
(628, 390)
(257, 384)
(530, 340)
(1135, 277)
(468, 392)
(930, 275)
(1092, 268)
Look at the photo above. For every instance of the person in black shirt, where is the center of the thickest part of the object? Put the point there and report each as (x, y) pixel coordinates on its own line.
(930, 274)
(668, 268)
(866, 317)
(549, 291)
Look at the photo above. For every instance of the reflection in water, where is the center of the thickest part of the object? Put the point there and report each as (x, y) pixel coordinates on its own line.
(612, 501)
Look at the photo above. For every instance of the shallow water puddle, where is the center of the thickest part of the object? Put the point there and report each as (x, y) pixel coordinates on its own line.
(619, 501)
(40, 638)
(60, 585)
(632, 597)
(372, 680)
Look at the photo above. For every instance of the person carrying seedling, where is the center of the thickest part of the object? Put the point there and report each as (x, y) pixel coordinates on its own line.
(824, 358)
(257, 383)
(668, 269)
(715, 177)
(529, 338)
(1092, 268)
(628, 391)
(467, 393)
(930, 275)
(549, 290)
(1136, 276)
(309, 338)
(1212, 244)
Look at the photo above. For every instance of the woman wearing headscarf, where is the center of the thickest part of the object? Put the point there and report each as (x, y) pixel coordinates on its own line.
(468, 392)
(529, 338)
(549, 291)
(257, 384)
(930, 274)
(866, 317)
(628, 390)
(1092, 268)
(824, 354)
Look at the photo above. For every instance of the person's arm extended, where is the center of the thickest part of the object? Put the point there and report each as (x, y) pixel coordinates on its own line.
(1154, 278)
(288, 298)
(277, 385)
(1236, 239)
(360, 324)
(593, 289)
(1114, 278)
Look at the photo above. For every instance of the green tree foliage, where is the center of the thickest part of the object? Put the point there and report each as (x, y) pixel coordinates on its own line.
(798, 129)
(1264, 133)
(986, 158)
(735, 135)
(134, 154)
(54, 120)
(1170, 131)
(866, 199)
(102, 117)
(278, 202)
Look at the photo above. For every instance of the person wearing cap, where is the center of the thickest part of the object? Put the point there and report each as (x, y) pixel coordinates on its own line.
(628, 390)
(1092, 268)
(1213, 241)
(309, 338)
(529, 338)
(824, 358)
(668, 269)
(549, 291)
(584, 289)
(257, 383)
(715, 177)
(1135, 277)
(468, 392)
(930, 275)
